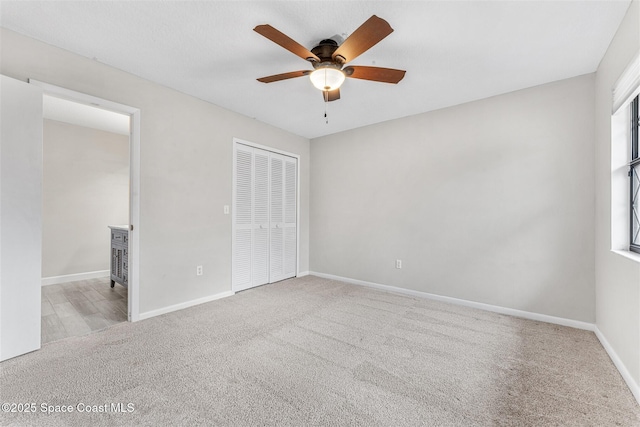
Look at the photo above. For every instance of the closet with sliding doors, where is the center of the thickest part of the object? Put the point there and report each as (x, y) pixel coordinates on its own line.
(265, 226)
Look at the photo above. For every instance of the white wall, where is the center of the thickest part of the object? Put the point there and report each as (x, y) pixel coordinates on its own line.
(617, 278)
(186, 169)
(85, 188)
(490, 201)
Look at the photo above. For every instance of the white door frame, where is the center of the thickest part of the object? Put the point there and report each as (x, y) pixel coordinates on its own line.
(134, 180)
(237, 141)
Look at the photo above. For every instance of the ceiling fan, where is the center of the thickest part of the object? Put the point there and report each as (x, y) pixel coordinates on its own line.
(328, 59)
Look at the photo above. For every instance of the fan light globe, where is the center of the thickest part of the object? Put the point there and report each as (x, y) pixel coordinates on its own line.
(327, 78)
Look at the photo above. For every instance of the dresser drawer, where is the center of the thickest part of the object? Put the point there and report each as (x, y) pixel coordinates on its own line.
(119, 237)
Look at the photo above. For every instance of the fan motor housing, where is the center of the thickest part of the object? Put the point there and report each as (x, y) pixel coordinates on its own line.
(324, 51)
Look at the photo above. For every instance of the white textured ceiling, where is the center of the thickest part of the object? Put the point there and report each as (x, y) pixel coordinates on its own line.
(453, 51)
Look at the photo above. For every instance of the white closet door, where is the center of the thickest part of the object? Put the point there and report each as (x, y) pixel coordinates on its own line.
(290, 218)
(265, 214)
(243, 218)
(260, 265)
(283, 217)
(277, 219)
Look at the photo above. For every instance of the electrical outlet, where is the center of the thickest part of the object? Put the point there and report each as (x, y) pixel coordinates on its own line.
(199, 270)
(398, 263)
(226, 209)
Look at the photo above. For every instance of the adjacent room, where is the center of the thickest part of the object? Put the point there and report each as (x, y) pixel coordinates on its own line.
(320, 213)
(85, 200)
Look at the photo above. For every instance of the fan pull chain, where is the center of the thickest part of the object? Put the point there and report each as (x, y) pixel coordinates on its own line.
(325, 94)
(326, 118)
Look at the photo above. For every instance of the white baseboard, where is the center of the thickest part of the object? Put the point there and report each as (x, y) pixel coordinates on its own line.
(186, 304)
(303, 273)
(487, 307)
(633, 386)
(54, 280)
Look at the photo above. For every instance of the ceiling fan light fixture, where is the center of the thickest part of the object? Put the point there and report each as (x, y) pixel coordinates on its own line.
(327, 78)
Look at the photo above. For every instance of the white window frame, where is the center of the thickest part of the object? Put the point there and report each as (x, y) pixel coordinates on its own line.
(624, 91)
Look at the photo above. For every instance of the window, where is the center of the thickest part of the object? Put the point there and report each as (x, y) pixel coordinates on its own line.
(634, 175)
(625, 162)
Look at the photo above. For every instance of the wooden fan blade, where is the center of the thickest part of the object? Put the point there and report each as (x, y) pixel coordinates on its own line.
(377, 74)
(366, 36)
(283, 76)
(286, 42)
(331, 95)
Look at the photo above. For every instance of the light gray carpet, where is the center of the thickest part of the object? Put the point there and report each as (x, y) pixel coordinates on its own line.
(311, 351)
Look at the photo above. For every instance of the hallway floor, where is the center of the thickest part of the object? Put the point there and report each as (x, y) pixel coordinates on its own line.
(78, 308)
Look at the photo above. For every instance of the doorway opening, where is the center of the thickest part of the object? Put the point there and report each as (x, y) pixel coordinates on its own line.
(85, 188)
(90, 196)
